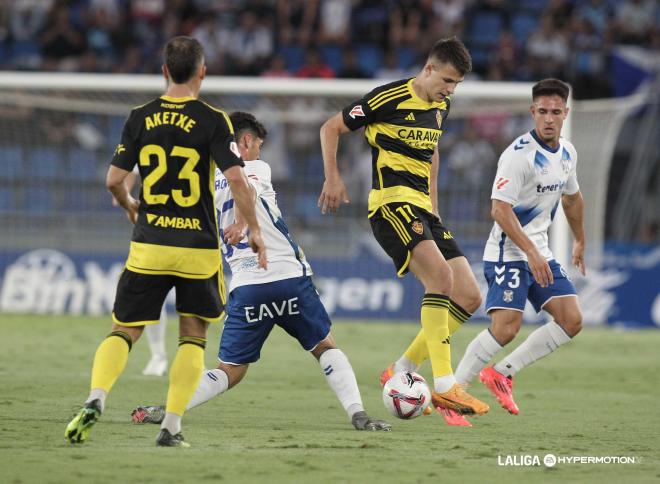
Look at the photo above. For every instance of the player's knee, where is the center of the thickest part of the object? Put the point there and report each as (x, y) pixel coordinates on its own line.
(442, 282)
(192, 326)
(472, 301)
(509, 333)
(132, 332)
(322, 347)
(235, 373)
(573, 324)
(505, 332)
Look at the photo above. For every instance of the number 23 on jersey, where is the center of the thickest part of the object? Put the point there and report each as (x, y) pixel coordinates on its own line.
(186, 173)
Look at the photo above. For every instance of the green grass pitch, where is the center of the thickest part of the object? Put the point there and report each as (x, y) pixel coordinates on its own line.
(597, 396)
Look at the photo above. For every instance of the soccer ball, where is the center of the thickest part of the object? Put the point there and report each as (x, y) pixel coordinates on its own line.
(406, 395)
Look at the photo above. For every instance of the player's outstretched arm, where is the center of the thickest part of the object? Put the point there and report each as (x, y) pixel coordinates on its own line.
(573, 206)
(244, 196)
(115, 183)
(334, 191)
(502, 213)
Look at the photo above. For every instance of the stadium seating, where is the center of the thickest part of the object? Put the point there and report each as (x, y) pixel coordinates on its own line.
(408, 56)
(11, 162)
(294, 56)
(485, 29)
(115, 128)
(40, 198)
(332, 55)
(24, 50)
(306, 207)
(7, 199)
(369, 57)
(535, 7)
(522, 26)
(480, 57)
(83, 165)
(45, 163)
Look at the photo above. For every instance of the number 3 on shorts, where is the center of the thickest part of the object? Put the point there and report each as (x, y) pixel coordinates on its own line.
(515, 278)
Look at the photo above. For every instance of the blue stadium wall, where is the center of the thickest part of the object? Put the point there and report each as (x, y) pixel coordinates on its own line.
(625, 292)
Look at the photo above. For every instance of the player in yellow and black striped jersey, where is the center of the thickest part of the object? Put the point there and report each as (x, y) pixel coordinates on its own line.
(403, 130)
(174, 142)
(177, 141)
(403, 123)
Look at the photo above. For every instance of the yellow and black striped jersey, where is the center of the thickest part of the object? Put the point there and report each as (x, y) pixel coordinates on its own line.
(176, 143)
(403, 131)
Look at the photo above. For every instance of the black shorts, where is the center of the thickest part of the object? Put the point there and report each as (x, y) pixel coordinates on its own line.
(140, 297)
(399, 227)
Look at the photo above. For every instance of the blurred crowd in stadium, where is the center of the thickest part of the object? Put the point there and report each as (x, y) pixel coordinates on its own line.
(512, 40)
(515, 40)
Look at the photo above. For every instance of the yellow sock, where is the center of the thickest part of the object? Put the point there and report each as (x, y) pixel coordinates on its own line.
(418, 351)
(457, 316)
(110, 360)
(185, 373)
(435, 316)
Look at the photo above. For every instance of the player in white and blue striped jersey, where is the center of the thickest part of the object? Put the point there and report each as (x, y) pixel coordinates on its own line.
(535, 173)
(259, 299)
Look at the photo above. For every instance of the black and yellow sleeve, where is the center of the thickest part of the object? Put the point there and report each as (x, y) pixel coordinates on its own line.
(375, 105)
(125, 156)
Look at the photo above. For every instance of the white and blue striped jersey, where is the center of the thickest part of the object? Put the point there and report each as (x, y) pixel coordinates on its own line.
(532, 177)
(285, 258)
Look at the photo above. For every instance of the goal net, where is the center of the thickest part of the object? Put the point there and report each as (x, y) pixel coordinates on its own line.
(58, 133)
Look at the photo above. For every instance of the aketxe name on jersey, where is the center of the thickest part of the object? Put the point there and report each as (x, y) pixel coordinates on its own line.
(179, 120)
(532, 177)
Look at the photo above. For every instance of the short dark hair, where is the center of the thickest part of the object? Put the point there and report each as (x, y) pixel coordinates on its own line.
(550, 87)
(243, 121)
(452, 51)
(183, 56)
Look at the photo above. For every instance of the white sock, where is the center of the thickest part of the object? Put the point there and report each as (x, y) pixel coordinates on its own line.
(172, 422)
(97, 393)
(538, 344)
(404, 364)
(156, 336)
(213, 382)
(477, 355)
(443, 384)
(339, 374)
